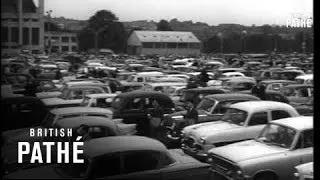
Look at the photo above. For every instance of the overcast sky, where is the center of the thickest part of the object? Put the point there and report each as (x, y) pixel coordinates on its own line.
(212, 12)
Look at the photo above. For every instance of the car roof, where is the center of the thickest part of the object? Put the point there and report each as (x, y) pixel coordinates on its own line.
(101, 95)
(70, 110)
(232, 96)
(209, 89)
(298, 85)
(74, 122)
(276, 81)
(252, 106)
(140, 93)
(299, 123)
(100, 146)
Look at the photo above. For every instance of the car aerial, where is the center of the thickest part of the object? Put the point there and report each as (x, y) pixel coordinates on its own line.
(102, 100)
(241, 121)
(304, 171)
(211, 108)
(273, 154)
(107, 158)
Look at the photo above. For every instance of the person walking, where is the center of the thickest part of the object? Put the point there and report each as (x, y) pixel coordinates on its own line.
(204, 78)
(191, 117)
(156, 118)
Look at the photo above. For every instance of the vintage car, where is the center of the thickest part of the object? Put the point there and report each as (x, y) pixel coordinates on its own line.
(143, 77)
(211, 108)
(276, 85)
(134, 106)
(241, 121)
(60, 113)
(297, 93)
(304, 171)
(103, 100)
(20, 112)
(273, 154)
(98, 127)
(108, 159)
(131, 86)
(17, 80)
(305, 79)
(196, 94)
(288, 74)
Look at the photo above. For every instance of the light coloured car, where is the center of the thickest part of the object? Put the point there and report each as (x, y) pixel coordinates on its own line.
(273, 154)
(304, 171)
(241, 121)
(102, 100)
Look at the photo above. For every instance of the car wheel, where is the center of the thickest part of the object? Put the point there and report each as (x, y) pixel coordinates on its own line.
(266, 176)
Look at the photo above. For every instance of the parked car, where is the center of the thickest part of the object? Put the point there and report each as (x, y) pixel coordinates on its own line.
(304, 171)
(242, 121)
(305, 79)
(273, 154)
(196, 94)
(103, 100)
(107, 158)
(22, 111)
(17, 80)
(211, 108)
(297, 93)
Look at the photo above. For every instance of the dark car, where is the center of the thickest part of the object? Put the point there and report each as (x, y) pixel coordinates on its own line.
(20, 112)
(135, 157)
(195, 95)
(211, 108)
(134, 108)
(18, 81)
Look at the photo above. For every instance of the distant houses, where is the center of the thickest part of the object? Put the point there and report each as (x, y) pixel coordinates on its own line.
(163, 43)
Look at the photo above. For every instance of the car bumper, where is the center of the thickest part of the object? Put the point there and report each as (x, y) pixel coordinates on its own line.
(198, 154)
(217, 175)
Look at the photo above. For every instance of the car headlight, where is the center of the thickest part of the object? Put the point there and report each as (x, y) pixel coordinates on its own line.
(202, 140)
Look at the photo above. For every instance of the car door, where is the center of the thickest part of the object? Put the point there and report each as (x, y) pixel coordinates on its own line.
(302, 152)
(255, 124)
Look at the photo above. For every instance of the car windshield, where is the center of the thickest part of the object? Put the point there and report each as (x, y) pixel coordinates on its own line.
(85, 101)
(277, 135)
(235, 116)
(206, 104)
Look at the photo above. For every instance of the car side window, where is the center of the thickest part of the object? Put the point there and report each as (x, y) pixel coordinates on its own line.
(106, 166)
(305, 140)
(279, 114)
(136, 103)
(137, 161)
(258, 118)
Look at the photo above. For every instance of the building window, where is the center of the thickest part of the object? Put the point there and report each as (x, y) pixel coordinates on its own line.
(4, 34)
(55, 38)
(25, 36)
(194, 45)
(182, 45)
(26, 20)
(73, 39)
(147, 45)
(159, 45)
(35, 20)
(74, 48)
(54, 49)
(65, 48)
(15, 34)
(14, 19)
(172, 45)
(65, 39)
(35, 36)
(5, 47)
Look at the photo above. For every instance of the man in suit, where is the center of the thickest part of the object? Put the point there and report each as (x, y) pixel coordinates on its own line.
(191, 116)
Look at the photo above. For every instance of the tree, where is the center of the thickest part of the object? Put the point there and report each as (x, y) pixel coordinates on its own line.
(164, 25)
(104, 27)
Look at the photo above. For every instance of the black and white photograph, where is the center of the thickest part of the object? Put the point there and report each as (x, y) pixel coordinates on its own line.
(157, 89)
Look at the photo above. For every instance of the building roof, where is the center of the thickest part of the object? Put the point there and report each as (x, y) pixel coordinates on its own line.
(166, 36)
(101, 146)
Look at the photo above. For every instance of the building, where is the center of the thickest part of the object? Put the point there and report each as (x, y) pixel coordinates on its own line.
(60, 41)
(163, 43)
(22, 26)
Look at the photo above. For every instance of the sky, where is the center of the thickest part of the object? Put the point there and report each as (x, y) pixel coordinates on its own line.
(212, 12)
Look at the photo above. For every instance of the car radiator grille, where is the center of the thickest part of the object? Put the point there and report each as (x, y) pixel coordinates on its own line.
(222, 166)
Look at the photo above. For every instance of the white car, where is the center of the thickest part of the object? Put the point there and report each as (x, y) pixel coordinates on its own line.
(102, 100)
(242, 121)
(273, 154)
